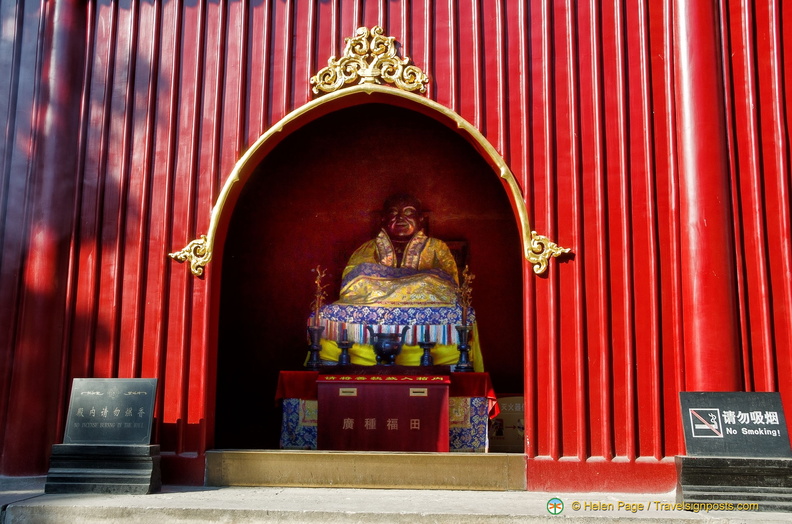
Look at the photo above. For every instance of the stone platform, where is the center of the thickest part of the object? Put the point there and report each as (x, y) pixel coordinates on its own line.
(23, 501)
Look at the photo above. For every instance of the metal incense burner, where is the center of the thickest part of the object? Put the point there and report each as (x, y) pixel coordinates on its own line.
(387, 345)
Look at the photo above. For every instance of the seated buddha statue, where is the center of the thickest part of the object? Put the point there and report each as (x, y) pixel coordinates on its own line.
(400, 279)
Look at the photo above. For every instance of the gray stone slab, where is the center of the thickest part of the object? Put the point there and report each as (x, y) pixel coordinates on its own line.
(313, 505)
(15, 489)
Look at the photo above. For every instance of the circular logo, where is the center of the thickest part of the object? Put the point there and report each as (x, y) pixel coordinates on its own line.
(555, 506)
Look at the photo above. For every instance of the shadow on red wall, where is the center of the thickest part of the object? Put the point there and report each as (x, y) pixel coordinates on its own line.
(312, 201)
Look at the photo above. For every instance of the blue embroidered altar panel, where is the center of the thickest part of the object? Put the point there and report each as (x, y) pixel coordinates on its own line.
(299, 427)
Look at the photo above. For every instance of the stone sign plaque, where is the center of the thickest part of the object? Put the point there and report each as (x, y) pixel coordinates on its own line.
(111, 411)
(734, 424)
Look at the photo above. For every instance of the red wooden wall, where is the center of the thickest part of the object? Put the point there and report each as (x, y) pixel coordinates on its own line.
(649, 137)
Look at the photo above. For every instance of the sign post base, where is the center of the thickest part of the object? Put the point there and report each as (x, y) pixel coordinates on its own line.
(104, 468)
(729, 482)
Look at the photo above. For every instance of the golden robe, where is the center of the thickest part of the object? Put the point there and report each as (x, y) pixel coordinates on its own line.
(429, 276)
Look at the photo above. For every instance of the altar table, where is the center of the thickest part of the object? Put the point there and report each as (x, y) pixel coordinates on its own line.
(383, 413)
(471, 402)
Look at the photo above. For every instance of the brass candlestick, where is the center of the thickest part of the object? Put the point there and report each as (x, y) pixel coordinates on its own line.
(314, 362)
(426, 358)
(465, 295)
(344, 358)
(464, 364)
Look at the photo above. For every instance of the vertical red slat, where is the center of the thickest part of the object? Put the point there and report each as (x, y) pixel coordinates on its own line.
(116, 212)
(547, 210)
(672, 266)
(521, 35)
(234, 106)
(348, 21)
(10, 51)
(492, 69)
(750, 182)
(76, 356)
(620, 259)
(402, 17)
(626, 376)
(325, 36)
(502, 115)
(303, 54)
(518, 88)
(647, 342)
(775, 152)
(157, 311)
(425, 12)
(51, 129)
(119, 168)
(147, 290)
(207, 177)
(710, 328)
(177, 364)
(478, 60)
(444, 59)
(137, 198)
(214, 97)
(106, 332)
(562, 210)
(784, 352)
(85, 335)
(595, 229)
(737, 200)
(533, 133)
(548, 358)
(279, 94)
(259, 67)
(19, 63)
(466, 67)
(357, 14)
(373, 13)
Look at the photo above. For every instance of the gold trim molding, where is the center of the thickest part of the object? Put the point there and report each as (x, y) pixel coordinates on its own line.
(537, 249)
(369, 57)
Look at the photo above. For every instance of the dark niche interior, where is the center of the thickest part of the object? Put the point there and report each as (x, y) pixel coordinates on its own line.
(312, 201)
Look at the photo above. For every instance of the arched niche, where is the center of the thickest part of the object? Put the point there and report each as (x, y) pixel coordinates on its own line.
(306, 194)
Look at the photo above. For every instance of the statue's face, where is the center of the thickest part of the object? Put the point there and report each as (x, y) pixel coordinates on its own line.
(402, 219)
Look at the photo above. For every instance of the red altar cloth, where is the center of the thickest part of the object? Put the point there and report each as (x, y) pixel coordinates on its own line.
(475, 385)
(303, 385)
(297, 384)
(383, 412)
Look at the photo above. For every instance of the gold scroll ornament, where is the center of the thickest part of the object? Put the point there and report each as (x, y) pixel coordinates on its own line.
(369, 58)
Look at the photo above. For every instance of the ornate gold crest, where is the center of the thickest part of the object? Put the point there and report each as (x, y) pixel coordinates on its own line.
(198, 252)
(541, 249)
(369, 58)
